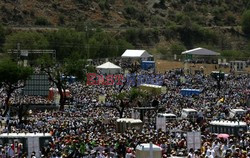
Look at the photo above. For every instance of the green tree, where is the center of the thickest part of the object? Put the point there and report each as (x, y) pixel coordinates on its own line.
(42, 21)
(177, 48)
(103, 45)
(246, 22)
(132, 98)
(13, 77)
(55, 72)
(73, 65)
(66, 41)
(27, 40)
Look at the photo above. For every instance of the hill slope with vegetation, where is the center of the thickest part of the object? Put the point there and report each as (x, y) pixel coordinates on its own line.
(165, 27)
(121, 12)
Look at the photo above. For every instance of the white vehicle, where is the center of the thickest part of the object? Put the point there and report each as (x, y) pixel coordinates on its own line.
(235, 113)
(168, 116)
(26, 142)
(189, 114)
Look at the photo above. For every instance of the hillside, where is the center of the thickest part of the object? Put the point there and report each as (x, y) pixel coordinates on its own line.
(118, 13)
(107, 27)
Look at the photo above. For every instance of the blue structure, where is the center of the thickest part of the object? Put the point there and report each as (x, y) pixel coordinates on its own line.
(70, 79)
(145, 65)
(190, 92)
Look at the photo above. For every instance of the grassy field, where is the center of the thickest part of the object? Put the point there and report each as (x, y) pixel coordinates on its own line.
(163, 65)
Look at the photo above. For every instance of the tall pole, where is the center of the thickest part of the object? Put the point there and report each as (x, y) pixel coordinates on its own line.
(18, 52)
(151, 150)
(87, 38)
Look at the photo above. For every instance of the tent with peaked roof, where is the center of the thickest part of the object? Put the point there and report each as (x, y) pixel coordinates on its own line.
(132, 53)
(200, 51)
(109, 68)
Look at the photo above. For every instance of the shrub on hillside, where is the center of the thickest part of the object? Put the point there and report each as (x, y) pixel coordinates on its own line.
(246, 23)
(41, 21)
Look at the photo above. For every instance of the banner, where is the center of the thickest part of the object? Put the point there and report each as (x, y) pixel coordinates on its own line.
(135, 114)
(163, 90)
(219, 61)
(183, 79)
(57, 99)
(101, 99)
(161, 123)
(193, 140)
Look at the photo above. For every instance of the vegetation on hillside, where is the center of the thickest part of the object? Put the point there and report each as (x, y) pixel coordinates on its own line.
(163, 27)
(118, 13)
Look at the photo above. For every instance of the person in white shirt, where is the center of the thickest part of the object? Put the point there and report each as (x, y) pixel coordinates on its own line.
(191, 153)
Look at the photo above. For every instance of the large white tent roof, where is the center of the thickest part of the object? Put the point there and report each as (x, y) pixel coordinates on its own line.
(200, 51)
(131, 53)
(108, 65)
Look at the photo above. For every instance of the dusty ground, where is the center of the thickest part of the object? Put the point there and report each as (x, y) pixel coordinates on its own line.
(163, 65)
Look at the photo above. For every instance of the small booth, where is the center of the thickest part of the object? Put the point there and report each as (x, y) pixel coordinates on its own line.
(53, 92)
(190, 92)
(148, 150)
(26, 142)
(229, 127)
(145, 65)
(218, 74)
(70, 79)
(238, 65)
(151, 88)
(123, 124)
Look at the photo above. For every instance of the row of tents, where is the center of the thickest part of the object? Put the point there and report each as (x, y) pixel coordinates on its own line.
(110, 68)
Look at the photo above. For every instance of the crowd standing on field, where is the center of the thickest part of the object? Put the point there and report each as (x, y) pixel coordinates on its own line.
(81, 132)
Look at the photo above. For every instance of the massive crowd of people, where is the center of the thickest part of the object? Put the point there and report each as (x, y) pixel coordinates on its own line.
(83, 132)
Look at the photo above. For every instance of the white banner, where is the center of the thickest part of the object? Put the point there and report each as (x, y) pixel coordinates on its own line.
(135, 114)
(193, 140)
(161, 123)
(163, 90)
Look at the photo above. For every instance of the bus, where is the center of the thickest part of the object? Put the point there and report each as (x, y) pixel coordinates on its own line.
(26, 142)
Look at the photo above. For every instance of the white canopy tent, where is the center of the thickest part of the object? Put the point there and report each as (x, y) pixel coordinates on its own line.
(109, 68)
(200, 51)
(132, 53)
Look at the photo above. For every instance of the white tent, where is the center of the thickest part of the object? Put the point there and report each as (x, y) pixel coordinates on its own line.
(109, 68)
(200, 51)
(144, 151)
(130, 53)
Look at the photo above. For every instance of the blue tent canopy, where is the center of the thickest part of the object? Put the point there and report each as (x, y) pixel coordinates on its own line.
(189, 92)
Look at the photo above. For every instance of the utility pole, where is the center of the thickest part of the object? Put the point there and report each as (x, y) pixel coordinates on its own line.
(18, 52)
(87, 38)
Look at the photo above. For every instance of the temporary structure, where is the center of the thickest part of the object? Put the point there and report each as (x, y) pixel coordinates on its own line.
(54, 91)
(145, 151)
(123, 124)
(136, 54)
(109, 68)
(200, 51)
